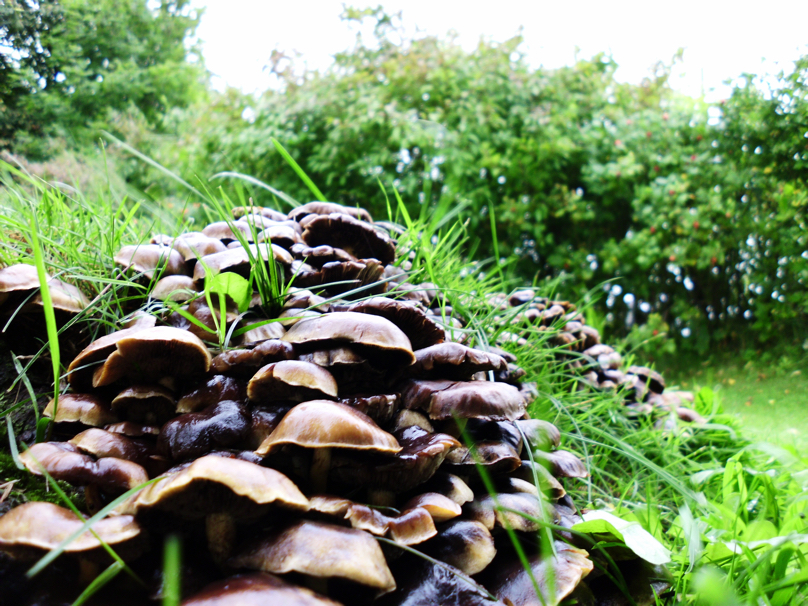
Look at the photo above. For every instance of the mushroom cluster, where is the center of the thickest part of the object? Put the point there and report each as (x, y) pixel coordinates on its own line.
(345, 448)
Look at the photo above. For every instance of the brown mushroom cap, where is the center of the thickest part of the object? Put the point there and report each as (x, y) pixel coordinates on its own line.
(102, 444)
(81, 369)
(440, 507)
(264, 211)
(18, 277)
(174, 288)
(464, 544)
(238, 259)
(373, 333)
(320, 550)
(352, 235)
(81, 408)
(151, 404)
(507, 579)
(326, 208)
(407, 315)
(151, 259)
(229, 485)
(221, 425)
(32, 528)
(464, 400)
(291, 380)
(63, 462)
(256, 589)
(245, 362)
(155, 353)
(454, 361)
(326, 424)
(212, 391)
(562, 464)
(196, 245)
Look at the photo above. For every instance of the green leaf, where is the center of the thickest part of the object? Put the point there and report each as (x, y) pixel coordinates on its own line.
(636, 538)
(231, 285)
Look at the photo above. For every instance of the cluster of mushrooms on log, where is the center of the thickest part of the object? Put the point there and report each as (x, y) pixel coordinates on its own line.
(307, 462)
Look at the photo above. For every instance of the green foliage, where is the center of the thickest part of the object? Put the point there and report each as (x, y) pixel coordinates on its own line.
(74, 61)
(696, 211)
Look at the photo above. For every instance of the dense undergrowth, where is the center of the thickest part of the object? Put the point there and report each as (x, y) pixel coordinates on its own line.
(731, 512)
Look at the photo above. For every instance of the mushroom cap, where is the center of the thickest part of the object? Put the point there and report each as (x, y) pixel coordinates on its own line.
(326, 208)
(262, 332)
(151, 404)
(245, 362)
(86, 409)
(63, 462)
(193, 434)
(176, 288)
(64, 297)
(102, 444)
(351, 235)
(422, 582)
(317, 256)
(454, 361)
(562, 463)
(81, 369)
(18, 277)
(238, 259)
(327, 424)
(29, 529)
(155, 353)
(264, 211)
(148, 259)
(407, 315)
(193, 246)
(223, 230)
(212, 391)
(440, 507)
(291, 380)
(182, 492)
(563, 572)
(372, 332)
(464, 400)
(256, 589)
(320, 550)
(464, 544)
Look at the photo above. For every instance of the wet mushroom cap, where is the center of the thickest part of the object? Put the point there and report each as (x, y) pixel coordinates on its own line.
(291, 380)
(256, 589)
(372, 332)
(155, 353)
(326, 208)
(63, 462)
(151, 259)
(352, 235)
(465, 544)
(464, 400)
(177, 492)
(454, 361)
(327, 424)
(320, 550)
(32, 528)
(86, 409)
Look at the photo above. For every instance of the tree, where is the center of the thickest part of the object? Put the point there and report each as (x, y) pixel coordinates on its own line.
(66, 63)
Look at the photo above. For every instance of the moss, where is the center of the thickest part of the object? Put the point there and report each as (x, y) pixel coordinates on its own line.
(29, 487)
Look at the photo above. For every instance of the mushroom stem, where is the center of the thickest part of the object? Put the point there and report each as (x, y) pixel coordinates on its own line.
(220, 529)
(320, 464)
(92, 498)
(88, 571)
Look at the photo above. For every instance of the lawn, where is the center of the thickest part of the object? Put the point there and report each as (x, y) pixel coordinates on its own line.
(772, 405)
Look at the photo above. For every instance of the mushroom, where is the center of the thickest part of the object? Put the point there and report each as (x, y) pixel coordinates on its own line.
(319, 550)
(291, 380)
(151, 260)
(322, 425)
(256, 589)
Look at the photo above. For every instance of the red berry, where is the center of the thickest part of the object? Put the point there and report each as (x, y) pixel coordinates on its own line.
(695, 224)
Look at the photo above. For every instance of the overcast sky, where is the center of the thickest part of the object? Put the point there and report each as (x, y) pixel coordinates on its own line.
(722, 39)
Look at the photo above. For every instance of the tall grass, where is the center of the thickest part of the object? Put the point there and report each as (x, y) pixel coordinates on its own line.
(733, 516)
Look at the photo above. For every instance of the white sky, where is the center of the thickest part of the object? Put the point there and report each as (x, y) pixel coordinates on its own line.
(722, 39)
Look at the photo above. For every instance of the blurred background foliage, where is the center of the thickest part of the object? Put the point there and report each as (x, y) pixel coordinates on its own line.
(673, 216)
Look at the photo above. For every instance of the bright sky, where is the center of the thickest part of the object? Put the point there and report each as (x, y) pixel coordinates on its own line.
(722, 39)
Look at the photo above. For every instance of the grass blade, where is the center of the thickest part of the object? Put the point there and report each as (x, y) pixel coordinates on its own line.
(99, 581)
(300, 173)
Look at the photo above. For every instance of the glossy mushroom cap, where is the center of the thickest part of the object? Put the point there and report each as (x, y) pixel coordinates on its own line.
(291, 380)
(256, 589)
(243, 488)
(320, 550)
(326, 208)
(33, 528)
(373, 333)
(151, 260)
(464, 400)
(80, 408)
(326, 424)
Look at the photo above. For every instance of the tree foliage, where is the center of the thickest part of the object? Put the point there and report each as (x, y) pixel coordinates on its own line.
(66, 63)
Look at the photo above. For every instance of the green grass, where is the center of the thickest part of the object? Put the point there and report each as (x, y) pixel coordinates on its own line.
(694, 489)
(772, 405)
